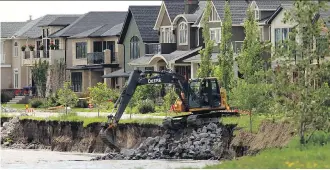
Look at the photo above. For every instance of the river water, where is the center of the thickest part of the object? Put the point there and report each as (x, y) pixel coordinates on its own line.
(43, 159)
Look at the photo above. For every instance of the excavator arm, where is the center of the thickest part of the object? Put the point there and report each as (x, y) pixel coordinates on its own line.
(138, 78)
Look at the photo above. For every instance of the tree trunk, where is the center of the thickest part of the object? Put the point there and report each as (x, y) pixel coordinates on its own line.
(301, 134)
(66, 109)
(250, 113)
(98, 112)
(48, 84)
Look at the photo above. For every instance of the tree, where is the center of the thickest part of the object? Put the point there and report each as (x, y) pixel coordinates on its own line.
(306, 90)
(39, 75)
(225, 57)
(205, 69)
(100, 95)
(67, 97)
(57, 75)
(169, 98)
(249, 60)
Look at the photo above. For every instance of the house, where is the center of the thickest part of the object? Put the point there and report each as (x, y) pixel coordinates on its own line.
(9, 54)
(91, 49)
(280, 31)
(29, 33)
(138, 39)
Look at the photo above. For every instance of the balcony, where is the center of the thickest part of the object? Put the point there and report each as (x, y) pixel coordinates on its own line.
(95, 58)
(30, 57)
(160, 48)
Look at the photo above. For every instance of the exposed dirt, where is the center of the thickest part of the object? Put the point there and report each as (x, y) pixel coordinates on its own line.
(72, 136)
(270, 135)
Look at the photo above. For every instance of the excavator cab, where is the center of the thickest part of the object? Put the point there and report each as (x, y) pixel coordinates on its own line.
(205, 94)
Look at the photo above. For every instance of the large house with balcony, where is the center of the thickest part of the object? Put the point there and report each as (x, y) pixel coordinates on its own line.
(21, 61)
(91, 48)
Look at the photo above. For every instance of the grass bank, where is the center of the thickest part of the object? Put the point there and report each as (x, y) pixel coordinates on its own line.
(311, 156)
(89, 120)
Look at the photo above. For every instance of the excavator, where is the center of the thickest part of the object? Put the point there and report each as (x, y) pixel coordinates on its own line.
(202, 98)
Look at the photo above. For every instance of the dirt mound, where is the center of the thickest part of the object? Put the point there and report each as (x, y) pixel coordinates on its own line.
(270, 135)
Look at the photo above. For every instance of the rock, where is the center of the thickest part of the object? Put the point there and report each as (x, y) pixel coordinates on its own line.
(128, 152)
(212, 135)
(6, 144)
(197, 143)
(204, 130)
(162, 141)
(192, 137)
(203, 135)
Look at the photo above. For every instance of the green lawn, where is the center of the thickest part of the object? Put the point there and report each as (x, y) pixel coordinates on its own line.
(89, 120)
(291, 157)
(15, 106)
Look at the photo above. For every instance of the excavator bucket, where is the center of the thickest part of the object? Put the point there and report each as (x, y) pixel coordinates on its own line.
(108, 134)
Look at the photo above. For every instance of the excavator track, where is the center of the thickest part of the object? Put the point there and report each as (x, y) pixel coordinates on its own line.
(108, 135)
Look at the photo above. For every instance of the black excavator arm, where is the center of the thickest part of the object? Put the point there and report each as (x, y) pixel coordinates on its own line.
(137, 78)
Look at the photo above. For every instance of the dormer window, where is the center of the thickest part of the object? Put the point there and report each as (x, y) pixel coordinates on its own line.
(256, 14)
(134, 47)
(215, 35)
(166, 34)
(214, 15)
(183, 33)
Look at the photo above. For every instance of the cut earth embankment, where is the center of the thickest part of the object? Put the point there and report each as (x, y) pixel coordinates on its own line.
(145, 141)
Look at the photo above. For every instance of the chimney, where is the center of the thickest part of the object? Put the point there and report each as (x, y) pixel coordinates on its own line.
(30, 16)
(190, 6)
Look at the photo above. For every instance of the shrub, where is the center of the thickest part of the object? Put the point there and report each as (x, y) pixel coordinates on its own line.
(5, 98)
(146, 106)
(52, 100)
(82, 103)
(37, 103)
(319, 138)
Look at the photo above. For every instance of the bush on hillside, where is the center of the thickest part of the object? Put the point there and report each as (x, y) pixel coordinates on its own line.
(146, 106)
(37, 103)
(4, 98)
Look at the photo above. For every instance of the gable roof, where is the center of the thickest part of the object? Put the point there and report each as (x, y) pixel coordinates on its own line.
(145, 18)
(92, 20)
(174, 7)
(32, 29)
(8, 29)
(237, 8)
(63, 21)
(270, 4)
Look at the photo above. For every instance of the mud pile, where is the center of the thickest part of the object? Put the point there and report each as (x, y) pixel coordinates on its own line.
(7, 130)
(208, 142)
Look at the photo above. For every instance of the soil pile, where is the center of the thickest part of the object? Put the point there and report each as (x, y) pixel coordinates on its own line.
(270, 135)
(208, 142)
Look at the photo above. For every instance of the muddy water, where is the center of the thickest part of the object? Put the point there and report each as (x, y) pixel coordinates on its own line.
(41, 159)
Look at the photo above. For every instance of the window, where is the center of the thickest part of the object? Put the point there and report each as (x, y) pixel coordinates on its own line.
(81, 50)
(76, 79)
(215, 35)
(15, 78)
(183, 33)
(214, 15)
(166, 35)
(135, 50)
(281, 34)
(261, 32)
(183, 70)
(57, 44)
(256, 14)
(15, 49)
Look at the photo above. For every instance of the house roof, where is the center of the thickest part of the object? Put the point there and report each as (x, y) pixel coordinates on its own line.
(115, 30)
(174, 7)
(197, 58)
(63, 21)
(8, 29)
(118, 73)
(270, 4)
(237, 8)
(145, 18)
(92, 20)
(32, 29)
